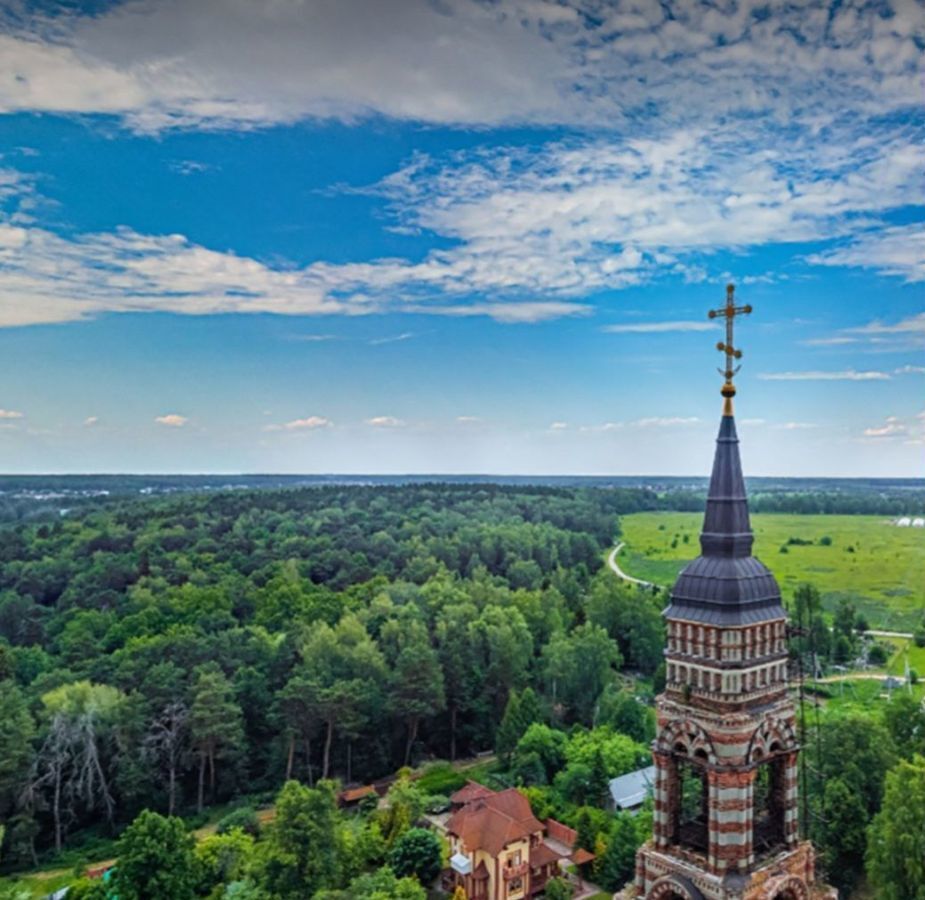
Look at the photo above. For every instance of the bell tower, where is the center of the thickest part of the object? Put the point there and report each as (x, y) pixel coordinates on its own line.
(726, 808)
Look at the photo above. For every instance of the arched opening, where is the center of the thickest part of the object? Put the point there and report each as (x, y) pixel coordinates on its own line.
(690, 804)
(769, 803)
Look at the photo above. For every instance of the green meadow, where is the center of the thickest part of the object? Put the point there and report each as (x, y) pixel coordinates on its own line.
(876, 565)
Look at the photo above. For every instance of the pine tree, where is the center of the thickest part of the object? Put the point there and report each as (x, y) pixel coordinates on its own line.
(509, 731)
(215, 723)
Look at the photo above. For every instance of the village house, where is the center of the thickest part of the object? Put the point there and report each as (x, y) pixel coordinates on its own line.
(499, 850)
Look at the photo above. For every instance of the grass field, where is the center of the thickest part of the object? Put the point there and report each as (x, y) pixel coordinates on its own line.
(879, 567)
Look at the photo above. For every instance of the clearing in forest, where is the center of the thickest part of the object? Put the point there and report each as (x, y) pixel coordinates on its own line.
(866, 559)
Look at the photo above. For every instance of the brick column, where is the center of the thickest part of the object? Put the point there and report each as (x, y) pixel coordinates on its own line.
(666, 793)
(791, 804)
(731, 795)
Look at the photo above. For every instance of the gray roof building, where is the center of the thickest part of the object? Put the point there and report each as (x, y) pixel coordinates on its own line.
(631, 790)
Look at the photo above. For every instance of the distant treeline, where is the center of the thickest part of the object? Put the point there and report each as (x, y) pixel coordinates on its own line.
(47, 497)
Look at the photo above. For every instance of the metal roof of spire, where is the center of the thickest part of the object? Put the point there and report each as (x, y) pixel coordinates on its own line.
(726, 585)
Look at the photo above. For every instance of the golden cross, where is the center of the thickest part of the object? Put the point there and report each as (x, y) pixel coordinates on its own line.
(729, 312)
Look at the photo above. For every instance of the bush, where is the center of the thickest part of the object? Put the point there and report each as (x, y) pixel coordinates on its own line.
(245, 818)
(913, 676)
(919, 637)
(825, 541)
(878, 655)
(440, 778)
(417, 852)
(437, 803)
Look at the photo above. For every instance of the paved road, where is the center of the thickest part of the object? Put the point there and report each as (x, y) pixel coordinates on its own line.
(896, 634)
(612, 562)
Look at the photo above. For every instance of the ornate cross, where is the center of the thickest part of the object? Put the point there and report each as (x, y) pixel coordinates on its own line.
(729, 311)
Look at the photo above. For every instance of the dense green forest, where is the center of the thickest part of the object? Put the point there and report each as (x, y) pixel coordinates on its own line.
(174, 653)
(162, 657)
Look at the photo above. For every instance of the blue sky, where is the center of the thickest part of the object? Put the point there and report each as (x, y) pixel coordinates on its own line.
(459, 236)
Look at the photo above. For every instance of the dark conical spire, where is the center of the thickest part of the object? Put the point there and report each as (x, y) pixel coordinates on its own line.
(726, 528)
(726, 585)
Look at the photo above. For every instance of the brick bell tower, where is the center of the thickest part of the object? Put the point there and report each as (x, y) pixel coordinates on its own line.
(726, 814)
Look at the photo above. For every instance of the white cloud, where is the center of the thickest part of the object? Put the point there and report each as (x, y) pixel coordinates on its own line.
(657, 327)
(835, 341)
(845, 375)
(405, 336)
(795, 426)
(752, 421)
(728, 126)
(558, 426)
(385, 422)
(891, 427)
(309, 423)
(909, 370)
(896, 251)
(468, 420)
(665, 421)
(90, 421)
(10, 414)
(178, 63)
(603, 427)
(189, 167)
(912, 325)
(172, 420)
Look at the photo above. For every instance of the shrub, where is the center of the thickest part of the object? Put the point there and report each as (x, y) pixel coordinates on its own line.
(245, 818)
(417, 852)
(440, 778)
(825, 541)
(919, 637)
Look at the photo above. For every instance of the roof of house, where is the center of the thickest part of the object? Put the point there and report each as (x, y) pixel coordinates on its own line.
(491, 822)
(543, 854)
(351, 795)
(631, 790)
(582, 856)
(470, 791)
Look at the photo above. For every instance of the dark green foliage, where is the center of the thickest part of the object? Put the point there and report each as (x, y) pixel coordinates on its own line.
(298, 855)
(417, 852)
(244, 817)
(254, 637)
(896, 839)
(521, 712)
(558, 889)
(850, 756)
(904, 717)
(624, 713)
(155, 860)
(617, 853)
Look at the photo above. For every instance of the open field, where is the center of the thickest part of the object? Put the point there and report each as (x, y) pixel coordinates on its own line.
(879, 567)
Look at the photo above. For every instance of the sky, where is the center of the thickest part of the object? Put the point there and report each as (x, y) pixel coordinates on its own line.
(460, 236)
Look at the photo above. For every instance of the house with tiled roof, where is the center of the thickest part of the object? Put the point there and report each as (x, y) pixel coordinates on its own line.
(499, 850)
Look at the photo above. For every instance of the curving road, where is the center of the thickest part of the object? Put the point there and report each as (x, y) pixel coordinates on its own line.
(612, 562)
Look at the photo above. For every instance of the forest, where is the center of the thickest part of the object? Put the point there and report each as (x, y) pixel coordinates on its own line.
(184, 655)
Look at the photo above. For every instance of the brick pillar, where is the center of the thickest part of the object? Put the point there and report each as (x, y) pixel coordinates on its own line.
(666, 798)
(731, 794)
(791, 799)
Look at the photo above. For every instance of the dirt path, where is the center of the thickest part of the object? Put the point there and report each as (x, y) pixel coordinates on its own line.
(612, 562)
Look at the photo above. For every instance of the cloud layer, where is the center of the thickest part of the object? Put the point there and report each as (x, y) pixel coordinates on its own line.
(218, 63)
(700, 127)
